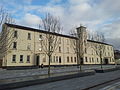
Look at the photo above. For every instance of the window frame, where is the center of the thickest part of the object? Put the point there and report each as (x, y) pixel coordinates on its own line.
(21, 58)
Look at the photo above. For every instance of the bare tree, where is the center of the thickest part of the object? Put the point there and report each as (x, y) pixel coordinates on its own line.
(74, 43)
(5, 34)
(81, 35)
(50, 40)
(99, 48)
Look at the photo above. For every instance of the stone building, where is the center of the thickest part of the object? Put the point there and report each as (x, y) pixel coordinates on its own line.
(23, 48)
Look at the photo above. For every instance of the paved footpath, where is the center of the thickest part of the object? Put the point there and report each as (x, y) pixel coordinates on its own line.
(76, 83)
(4, 74)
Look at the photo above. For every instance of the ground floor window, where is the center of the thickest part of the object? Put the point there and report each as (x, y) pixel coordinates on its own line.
(75, 59)
(86, 59)
(28, 58)
(71, 59)
(21, 58)
(67, 59)
(59, 59)
(90, 60)
(56, 58)
(14, 58)
(97, 60)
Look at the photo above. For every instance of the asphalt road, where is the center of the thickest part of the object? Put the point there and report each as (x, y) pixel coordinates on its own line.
(76, 83)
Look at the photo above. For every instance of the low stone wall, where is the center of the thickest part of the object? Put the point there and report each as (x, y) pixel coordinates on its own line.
(107, 70)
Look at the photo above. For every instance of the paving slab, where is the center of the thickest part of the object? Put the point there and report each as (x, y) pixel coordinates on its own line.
(40, 79)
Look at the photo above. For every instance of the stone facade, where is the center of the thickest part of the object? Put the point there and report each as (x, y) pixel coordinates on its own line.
(25, 49)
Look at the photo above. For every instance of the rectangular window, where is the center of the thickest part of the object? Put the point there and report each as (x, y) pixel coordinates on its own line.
(14, 58)
(67, 59)
(28, 58)
(75, 59)
(40, 37)
(92, 59)
(56, 58)
(85, 50)
(59, 59)
(97, 60)
(112, 59)
(59, 40)
(14, 45)
(29, 36)
(21, 58)
(71, 59)
(86, 59)
(51, 59)
(15, 34)
(60, 49)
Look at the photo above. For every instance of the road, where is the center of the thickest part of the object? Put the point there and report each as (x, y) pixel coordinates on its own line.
(76, 83)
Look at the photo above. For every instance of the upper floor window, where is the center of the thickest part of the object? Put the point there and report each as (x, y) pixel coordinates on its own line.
(85, 50)
(29, 36)
(15, 34)
(40, 37)
(14, 45)
(14, 58)
(21, 58)
(59, 49)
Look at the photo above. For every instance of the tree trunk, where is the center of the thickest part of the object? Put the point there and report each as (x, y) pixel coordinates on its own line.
(80, 65)
(101, 63)
(49, 59)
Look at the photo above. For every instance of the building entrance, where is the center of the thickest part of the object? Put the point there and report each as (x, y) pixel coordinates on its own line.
(81, 61)
(106, 61)
(0, 63)
(37, 60)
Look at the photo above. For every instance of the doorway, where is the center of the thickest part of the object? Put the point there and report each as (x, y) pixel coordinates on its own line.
(0, 63)
(106, 61)
(81, 61)
(37, 60)
(60, 59)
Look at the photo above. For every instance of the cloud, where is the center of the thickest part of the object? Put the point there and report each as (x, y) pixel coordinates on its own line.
(96, 15)
(30, 20)
(112, 30)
